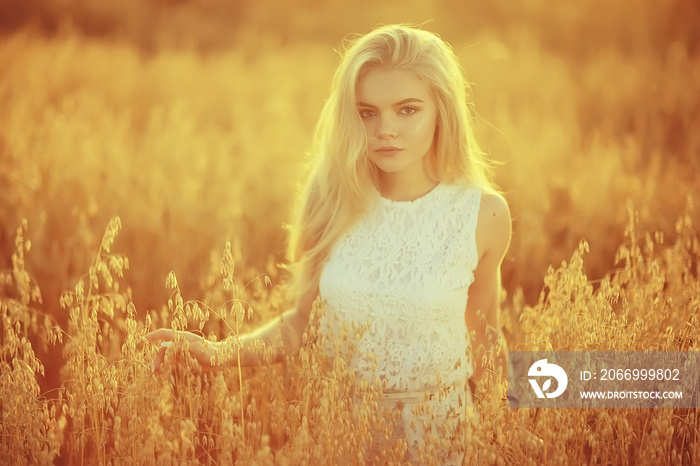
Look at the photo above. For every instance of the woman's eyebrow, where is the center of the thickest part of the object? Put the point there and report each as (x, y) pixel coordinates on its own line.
(399, 103)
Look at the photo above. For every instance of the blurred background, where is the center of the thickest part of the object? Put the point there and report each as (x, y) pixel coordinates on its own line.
(191, 121)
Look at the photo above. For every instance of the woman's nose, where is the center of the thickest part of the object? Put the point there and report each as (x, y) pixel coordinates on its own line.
(388, 128)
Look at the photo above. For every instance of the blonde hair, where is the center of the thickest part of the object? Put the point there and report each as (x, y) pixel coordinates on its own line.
(343, 181)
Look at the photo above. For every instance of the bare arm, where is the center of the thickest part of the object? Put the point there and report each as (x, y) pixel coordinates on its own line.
(282, 335)
(482, 315)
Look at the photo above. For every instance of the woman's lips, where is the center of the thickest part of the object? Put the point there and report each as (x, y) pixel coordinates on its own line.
(388, 151)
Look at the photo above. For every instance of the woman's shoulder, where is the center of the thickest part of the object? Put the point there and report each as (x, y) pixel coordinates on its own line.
(494, 204)
(494, 226)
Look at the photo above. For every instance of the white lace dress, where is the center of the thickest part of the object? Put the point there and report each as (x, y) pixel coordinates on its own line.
(405, 269)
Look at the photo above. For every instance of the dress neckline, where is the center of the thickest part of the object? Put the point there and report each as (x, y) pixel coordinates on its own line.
(415, 201)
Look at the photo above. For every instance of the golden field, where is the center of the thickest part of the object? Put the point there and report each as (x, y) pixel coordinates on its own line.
(138, 138)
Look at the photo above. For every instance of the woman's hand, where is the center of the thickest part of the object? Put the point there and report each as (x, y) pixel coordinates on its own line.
(202, 349)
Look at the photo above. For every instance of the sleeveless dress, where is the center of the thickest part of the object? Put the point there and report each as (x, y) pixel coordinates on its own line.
(404, 270)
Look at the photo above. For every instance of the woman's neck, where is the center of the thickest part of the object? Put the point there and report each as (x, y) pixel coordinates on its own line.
(402, 188)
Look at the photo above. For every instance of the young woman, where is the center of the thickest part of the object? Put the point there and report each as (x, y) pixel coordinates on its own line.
(400, 227)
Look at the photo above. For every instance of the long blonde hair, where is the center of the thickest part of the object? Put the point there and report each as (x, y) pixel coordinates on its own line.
(343, 181)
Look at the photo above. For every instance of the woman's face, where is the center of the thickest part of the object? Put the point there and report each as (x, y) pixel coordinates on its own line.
(400, 117)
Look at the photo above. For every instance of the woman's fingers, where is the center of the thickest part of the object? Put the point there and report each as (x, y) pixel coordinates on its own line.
(199, 348)
(159, 356)
(158, 359)
(160, 334)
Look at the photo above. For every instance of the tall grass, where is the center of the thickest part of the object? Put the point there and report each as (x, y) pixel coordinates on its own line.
(112, 409)
(180, 147)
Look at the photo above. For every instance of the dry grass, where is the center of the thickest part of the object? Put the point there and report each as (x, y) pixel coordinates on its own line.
(195, 144)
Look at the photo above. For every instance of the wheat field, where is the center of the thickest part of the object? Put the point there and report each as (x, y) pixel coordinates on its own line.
(150, 155)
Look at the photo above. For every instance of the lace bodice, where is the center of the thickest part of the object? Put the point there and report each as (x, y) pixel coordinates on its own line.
(405, 269)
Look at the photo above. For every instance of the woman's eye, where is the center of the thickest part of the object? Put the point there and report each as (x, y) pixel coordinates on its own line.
(409, 110)
(366, 113)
